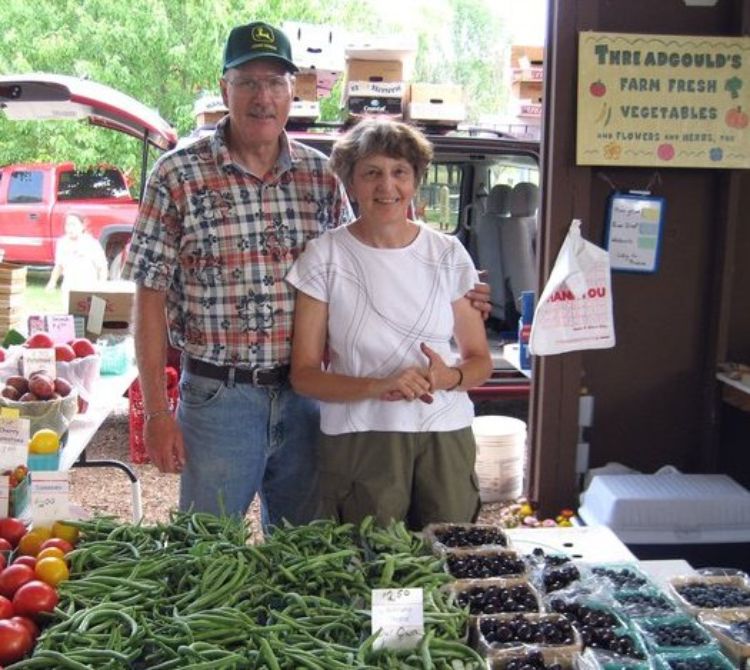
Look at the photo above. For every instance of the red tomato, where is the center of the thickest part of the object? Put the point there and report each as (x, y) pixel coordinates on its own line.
(25, 560)
(5, 545)
(6, 608)
(3, 561)
(34, 598)
(15, 641)
(12, 530)
(58, 542)
(13, 577)
(28, 624)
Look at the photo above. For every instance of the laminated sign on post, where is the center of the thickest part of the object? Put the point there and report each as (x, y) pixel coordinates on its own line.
(663, 100)
(574, 311)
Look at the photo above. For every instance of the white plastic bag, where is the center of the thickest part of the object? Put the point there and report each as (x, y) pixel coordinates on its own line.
(575, 309)
(82, 373)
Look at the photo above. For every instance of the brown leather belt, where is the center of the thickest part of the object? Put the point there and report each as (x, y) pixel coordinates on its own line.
(257, 376)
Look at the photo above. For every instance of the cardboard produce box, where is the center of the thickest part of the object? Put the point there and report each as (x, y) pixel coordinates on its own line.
(524, 56)
(374, 70)
(306, 86)
(304, 110)
(315, 46)
(528, 90)
(368, 97)
(118, 297)
(436, 102)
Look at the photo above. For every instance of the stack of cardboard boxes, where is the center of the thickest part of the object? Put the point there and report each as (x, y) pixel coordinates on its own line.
(377, 76)
(527, 82)
(318, 52)
(12, 287)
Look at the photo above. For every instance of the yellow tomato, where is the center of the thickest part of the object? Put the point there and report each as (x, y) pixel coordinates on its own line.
(44, 441)
(52, 570)
(65, 532)
(54, 552)
(31, 542)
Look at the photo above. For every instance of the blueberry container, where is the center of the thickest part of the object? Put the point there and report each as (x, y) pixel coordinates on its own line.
(673, 634)
(644, 603)
(484, 563)
(697, 660)
(621, 576)
(494, 596)
(444, 536)
(498, 633)
(532, 659)
(706, 593)
(732, 631)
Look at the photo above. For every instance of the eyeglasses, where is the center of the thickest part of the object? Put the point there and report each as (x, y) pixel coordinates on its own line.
(277, 85)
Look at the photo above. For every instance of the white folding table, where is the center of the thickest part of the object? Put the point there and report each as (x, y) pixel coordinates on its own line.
(108, 389)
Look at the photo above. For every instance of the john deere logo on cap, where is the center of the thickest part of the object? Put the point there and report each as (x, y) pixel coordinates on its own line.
(263, 35)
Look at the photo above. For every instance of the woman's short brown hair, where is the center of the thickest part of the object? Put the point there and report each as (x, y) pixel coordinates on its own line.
(384, 137)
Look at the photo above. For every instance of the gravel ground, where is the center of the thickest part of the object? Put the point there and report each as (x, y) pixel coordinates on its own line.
(108, 491)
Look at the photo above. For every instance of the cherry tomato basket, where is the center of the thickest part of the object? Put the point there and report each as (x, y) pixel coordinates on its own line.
(136, 414)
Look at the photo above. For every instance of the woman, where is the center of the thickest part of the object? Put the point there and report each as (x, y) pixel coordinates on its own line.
(79, 258)
(385, 295)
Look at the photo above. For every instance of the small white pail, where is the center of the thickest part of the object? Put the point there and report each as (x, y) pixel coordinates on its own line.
(501, 451)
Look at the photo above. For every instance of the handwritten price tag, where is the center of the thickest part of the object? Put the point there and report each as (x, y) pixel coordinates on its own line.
(14, 440)
(399, 616)
(50, 497)
(39, 360)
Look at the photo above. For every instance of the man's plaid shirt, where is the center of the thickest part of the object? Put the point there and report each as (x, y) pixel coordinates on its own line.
(220, 241)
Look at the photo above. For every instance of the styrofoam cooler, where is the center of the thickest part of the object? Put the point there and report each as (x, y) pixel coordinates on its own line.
(702, 518)
(501, 452)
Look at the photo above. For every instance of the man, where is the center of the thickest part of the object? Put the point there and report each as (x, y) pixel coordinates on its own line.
(222, 221)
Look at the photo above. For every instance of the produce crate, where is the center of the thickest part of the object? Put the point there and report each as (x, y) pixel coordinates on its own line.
(12, 287)
(136, 418)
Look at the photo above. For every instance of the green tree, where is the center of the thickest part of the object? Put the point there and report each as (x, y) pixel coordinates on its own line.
(166, 52)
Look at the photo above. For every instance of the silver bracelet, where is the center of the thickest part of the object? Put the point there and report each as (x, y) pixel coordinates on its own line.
(159, 412)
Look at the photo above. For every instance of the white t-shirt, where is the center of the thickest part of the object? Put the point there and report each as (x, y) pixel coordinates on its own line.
(80, 260)
(382, 303)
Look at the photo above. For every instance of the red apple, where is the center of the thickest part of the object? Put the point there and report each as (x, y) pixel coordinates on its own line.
(64, 352)
(2, 354)
(82, 347)
(40, 340)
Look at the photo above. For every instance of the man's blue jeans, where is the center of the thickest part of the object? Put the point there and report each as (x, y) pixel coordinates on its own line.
(241, 440)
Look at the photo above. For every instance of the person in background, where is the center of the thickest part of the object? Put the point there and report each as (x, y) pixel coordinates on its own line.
(79, 257)
(382, 298)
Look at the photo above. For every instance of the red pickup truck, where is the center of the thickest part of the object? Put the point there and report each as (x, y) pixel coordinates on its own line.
(35, 198)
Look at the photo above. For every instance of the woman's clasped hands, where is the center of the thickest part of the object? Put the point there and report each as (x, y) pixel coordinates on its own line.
(419, 383)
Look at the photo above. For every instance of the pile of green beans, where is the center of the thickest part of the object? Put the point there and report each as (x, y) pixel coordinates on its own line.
(196, 593)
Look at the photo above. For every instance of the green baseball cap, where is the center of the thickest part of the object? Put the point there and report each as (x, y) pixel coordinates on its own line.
(257, 40)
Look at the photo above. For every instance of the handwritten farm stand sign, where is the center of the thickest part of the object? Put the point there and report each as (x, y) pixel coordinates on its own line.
(663, 100)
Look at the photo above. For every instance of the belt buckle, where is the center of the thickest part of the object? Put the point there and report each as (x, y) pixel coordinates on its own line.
(257, 371)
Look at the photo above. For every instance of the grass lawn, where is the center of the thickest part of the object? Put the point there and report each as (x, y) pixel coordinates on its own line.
(39, 301)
